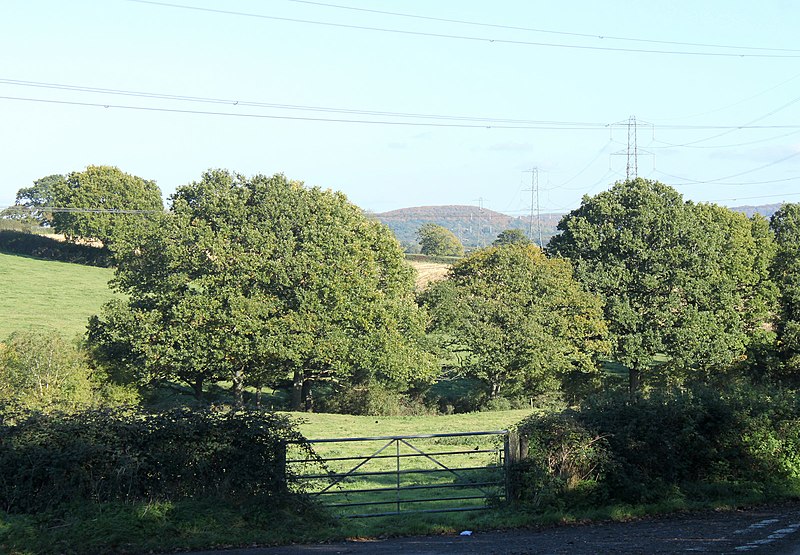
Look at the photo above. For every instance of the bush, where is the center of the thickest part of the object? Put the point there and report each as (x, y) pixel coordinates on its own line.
(41, 371)
(129, 455)
(39, 246)
(666, 444)
(563, 456)
(374, 400)
(457, 395)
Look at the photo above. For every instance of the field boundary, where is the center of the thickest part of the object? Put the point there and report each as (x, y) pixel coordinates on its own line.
(417, 473)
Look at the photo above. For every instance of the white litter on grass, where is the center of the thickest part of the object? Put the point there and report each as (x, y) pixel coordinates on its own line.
(466, 533)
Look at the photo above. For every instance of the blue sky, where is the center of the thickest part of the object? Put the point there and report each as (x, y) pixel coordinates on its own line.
(691, 107)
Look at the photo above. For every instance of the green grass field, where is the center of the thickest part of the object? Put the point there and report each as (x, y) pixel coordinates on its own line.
(43, 294)
(321, 425)
(454, 464)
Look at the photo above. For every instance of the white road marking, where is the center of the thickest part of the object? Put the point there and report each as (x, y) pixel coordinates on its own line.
(775, 535)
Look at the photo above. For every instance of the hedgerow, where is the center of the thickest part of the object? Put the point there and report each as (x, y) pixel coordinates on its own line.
(648, 450)
(39, 246)
(103, 455)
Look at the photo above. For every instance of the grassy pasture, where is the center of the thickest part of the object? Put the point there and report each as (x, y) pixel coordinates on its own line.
(481, 454)
(52, 295)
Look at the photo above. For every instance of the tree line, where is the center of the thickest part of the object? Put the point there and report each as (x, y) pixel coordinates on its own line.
(263, 282)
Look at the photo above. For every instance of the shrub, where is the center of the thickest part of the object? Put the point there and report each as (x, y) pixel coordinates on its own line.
(563, 456)
(374, 399)
(656, 447)
(41, 371)
(129, 455)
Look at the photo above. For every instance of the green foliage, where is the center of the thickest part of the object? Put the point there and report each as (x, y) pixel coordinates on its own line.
(31, 200)
(101, 188)
(436, 240)
(81, 528)
(375, 399)
(48, 248)
(131, 455)
(41, 371)
(517, 320)
(565, 459)
(786, 271)
(475, 227)
(253, 280)
(511, 237)
(665, 444)
(685, 286)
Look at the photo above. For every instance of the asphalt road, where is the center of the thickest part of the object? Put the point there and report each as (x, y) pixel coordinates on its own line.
(773, 530)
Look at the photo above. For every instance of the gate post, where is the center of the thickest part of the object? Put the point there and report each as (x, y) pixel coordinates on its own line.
(507, 464)
(516, 450)
(280, 467)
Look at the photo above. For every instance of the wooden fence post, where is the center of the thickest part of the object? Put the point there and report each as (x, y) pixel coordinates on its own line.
(516, 450)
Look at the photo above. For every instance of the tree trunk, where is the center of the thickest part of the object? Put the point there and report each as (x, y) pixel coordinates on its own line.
(308, 400)
(258, 396)
(197, 386)
(238, 389)
(634, 383)
(297, 389)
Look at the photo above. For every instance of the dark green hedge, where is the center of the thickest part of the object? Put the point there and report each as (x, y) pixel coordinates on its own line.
(647, 450)
(129, 455)
(40, 246)
(436, 259)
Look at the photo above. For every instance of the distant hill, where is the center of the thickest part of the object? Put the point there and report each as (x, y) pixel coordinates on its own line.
(766, 210)
(474, 226)
(478, 227)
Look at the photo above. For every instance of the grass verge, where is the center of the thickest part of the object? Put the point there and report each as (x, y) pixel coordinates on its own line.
(194, 525)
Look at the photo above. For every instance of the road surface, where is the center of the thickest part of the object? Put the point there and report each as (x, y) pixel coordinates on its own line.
(773, 530)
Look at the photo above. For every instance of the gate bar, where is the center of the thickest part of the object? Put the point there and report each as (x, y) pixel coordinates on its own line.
(416, 436)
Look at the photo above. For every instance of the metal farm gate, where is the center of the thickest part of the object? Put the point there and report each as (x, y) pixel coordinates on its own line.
(423, 473)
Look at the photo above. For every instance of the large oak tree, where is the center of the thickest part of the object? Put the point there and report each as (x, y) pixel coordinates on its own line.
(519, 321)
(97, 200)
(258, 279)
(686, 287)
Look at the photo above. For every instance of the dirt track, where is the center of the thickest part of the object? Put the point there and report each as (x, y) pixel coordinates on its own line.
(774, 530)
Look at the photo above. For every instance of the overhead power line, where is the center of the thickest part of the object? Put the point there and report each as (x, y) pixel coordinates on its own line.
(282, 106)
(600, 36)
(740, 101)
(467, 37)
(480, 123)
(746, 125)
(690, 181)
(487, 125)
(23, 208)
(667, 145)
(754, 198)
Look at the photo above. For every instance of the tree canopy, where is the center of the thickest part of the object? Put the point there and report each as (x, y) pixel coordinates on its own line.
(103, 196)
(436, 240)
(260, 279)
(511, 237)
(786, 271)
(30, 201)
(521, 323)
(683, 284)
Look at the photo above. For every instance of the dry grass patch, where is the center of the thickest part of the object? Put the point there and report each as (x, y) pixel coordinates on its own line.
(428, 272)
